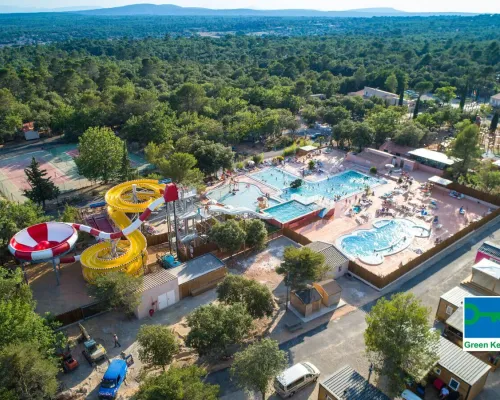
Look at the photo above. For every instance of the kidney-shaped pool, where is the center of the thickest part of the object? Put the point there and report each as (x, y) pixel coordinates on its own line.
(385, 238)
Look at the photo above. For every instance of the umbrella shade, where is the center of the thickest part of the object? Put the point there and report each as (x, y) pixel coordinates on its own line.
(389, 166)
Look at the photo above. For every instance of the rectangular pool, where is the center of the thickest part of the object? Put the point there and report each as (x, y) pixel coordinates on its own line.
(290, 210)
(245, 196)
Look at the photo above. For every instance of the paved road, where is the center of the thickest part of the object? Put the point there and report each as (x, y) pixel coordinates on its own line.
(341, 342)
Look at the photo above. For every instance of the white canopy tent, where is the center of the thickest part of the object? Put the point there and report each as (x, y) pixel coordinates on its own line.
(486, 273)
(439, 181)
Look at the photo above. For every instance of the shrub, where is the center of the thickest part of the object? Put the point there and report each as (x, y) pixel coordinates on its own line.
(296, 183)
(373, 170)
(258, 158)
(311, 164)
(240, 165)
(290, 150)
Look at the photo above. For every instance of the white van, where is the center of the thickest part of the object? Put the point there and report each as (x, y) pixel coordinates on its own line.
(409, 395)
(295, 378)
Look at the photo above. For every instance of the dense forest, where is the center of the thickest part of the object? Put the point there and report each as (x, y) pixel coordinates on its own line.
(241, 87)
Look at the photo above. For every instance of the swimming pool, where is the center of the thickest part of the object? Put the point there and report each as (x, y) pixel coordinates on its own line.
(290, 210)
(245, 196)
(387, 237)
(275, 177)
(343, 185)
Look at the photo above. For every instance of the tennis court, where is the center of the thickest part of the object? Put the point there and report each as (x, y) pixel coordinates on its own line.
(59, 163)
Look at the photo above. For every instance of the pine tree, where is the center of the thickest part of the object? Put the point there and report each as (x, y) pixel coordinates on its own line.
(494, 121)
(126, 172)
(42, 188)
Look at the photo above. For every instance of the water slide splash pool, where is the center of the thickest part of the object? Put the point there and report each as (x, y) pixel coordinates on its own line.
(386, 238)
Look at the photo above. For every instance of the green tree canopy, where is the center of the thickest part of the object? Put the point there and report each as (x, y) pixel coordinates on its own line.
(391, 83)
(255, 296)
(18, 320)
(362, 135)
(42, 187)
(184, 383)
(399, 340)
(118, 290)
(409, 134)
(446, 93)
(256, 367)
(25, 373)
(158, 345)
(228, 235)
(213, 328)
(300, 266)
(255, 233)
(466, 149)
(101, 153)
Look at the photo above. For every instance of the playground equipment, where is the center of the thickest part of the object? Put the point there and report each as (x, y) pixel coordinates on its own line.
(167, 261)
(51, 241)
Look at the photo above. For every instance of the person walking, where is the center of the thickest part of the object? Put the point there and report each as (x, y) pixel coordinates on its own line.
(117, 343)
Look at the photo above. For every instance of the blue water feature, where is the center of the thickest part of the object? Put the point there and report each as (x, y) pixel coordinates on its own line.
(343, 185)
(245, 196)
(290, 210)
(387, 237)
(275, 177)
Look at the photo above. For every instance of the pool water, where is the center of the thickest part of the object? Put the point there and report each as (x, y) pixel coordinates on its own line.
(290, 210)
(275, 177)
(343, 185)
(245, 196)
(387, 237)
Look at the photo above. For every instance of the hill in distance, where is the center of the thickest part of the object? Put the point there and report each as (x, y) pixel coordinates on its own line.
(173, 10)
(25, 10)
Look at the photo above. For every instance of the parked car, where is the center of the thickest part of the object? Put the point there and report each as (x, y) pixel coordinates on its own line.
(295, 378)
(112, 379)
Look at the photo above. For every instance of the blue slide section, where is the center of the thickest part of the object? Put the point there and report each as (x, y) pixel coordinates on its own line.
(322, 213)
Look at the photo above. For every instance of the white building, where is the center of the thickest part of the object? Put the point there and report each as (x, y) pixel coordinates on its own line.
(495, 100)
(391, 99)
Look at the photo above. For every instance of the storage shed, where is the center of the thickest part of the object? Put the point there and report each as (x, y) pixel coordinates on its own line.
(334, 258)
(29, 131)
(451, 300)
(346, 383)
(305, 150)
(159, 290)
(330, 292)
(306, 301)
(486, 274)
(454, 327)
(199, 275)
(460, 370)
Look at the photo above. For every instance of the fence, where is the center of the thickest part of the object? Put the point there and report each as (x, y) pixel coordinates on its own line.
(81, 313)
(468, 191)
(295, 236)
(382, 281)
(153, 240)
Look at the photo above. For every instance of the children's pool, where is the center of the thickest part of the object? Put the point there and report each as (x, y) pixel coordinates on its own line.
(290, 210)
(245, 196)
(387, 237)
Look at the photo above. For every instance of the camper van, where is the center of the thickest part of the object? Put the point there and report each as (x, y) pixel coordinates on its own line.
(112, 379)
(295, 378)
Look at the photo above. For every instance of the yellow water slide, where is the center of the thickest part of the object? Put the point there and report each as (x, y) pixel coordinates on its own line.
(130, 255)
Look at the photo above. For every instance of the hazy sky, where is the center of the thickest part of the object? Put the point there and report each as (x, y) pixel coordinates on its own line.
(482, 6)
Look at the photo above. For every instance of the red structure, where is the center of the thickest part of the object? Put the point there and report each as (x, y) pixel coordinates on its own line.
(490, 251)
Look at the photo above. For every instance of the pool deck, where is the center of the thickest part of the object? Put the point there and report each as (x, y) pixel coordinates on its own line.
(447, 211)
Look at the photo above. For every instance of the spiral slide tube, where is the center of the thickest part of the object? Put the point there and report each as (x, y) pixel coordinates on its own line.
(131, 255)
